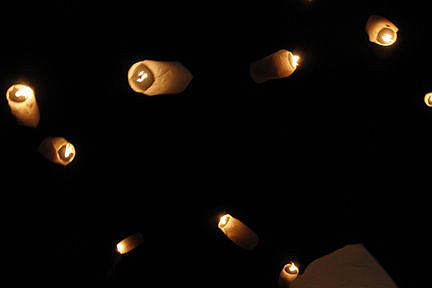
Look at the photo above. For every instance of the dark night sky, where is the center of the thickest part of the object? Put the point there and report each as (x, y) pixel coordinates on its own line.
(334, 154)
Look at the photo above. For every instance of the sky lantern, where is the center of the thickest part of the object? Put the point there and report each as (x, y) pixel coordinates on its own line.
(58, 150)
(129, 243)
(279, 64)
(381, 30)
(23, 105)
(288, 274)
(238, 232)
(151, 77)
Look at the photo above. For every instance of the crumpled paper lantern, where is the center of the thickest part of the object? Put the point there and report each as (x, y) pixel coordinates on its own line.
(129, 243)
(151, 77)
(58, 150)
(23, 105)
(381, 30)
(288, 274)
(279, 64)
(238, 232)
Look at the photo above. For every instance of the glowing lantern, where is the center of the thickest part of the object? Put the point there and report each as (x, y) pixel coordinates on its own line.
(288, 274)
(428, 99)
(23, 105)
(279, 64)
(129, 243)
(381, 31)
(238, 232)
(58, 150)
(152, 77)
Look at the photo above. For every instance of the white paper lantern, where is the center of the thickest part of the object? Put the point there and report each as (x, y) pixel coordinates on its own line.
(381, 30)
(151, 77)
(23, 105)
(129, 243)
(238, 232)
(279, 64)
(58, 150)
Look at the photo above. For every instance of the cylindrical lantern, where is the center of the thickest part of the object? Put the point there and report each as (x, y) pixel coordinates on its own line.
(58, 150)
(129, 243)
(288, 274)
(151, 77)
(428, 99)
(381, 31)
(238, 232)
(22, 102)
(279, 64)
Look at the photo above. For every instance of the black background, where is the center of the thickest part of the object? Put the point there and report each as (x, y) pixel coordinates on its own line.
(336, 153)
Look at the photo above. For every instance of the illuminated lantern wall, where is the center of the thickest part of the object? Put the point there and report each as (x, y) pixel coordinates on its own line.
(381, 31)
(58, 150)
(428, 99)
(23, 105)
(277, 65)
(152, 77)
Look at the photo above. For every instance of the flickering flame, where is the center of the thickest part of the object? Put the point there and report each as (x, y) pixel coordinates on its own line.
(66, 152)
(295, 60)
(291, 268)
(142, 75)
(120, 247)
(20, 93)
(386, 36)
(129, 243)
(24, 92)
(224, 220)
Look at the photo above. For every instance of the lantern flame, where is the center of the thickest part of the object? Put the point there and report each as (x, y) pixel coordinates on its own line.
(224, 220)
(24, 92)
(292, 268)
(142, 75)
(68, 150)
(295, 60)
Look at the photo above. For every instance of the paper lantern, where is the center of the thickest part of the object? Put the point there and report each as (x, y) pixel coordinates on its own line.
(428, 99)
(129, 243)
(238, 232)
(279, 64)
(23, 105)
(152, 77)
(58, 150)
(381, 31)
(288, 274)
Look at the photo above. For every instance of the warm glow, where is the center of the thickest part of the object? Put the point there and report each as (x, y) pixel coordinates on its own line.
(428, 99)
(66, 152)
(142, 75)
(153, 77)
(386, 36)
(238, 232)
(224, 220)
(295, 60)
(23, 105)
(291, 268)
(58, 150)
(129, 243)
(288, 274)
(279, 64)
(21, 93)
(381, 30)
